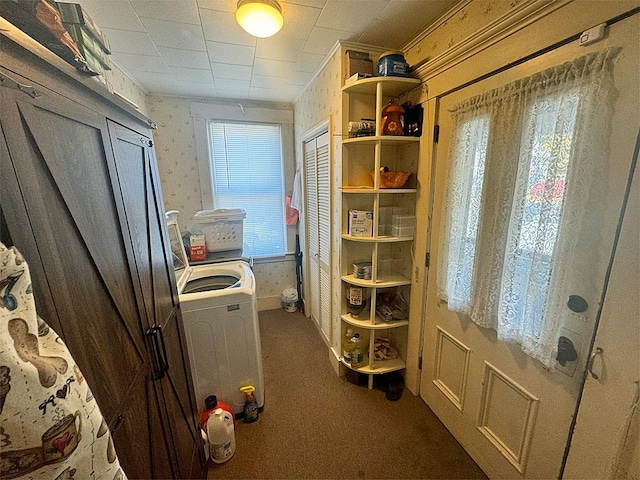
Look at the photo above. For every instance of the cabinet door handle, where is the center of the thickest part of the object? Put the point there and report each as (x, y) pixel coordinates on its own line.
(117, 423)
(598, 351)
(158, 363)
(165, 360)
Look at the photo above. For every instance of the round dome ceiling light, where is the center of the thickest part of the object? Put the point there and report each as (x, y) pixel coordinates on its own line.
(260, 18)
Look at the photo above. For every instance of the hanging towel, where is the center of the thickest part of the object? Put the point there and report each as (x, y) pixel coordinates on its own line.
(292, 213)
(50, 424)
(296, 196)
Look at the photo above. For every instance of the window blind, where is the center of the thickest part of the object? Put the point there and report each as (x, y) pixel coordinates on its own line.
(246, 164)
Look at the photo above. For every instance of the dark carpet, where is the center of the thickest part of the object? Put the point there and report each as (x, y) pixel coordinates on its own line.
(318, 425)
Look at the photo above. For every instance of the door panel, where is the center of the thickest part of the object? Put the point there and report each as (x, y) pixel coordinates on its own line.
(508, 412)
(144, 211)
(75, 264)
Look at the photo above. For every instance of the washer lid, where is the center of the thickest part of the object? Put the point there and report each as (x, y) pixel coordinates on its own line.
(214, 282)
(178, 253)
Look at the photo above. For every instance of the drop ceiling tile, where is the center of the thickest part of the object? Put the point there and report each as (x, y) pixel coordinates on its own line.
(180, 11)
(261, 81)
(272, 68)
(196, 90)
(222, 25)
(151, 82)
(308, 3)
(184, 58)
(322, 40)
(229, 53)
(219, 5)
(125, 41)
(225, 84)
(116, 14)
(231, 72)
(350, 16)
(192, 75)
(300, 79)
(175, 35)
(298, 21)
(279, 48)
(142, 63)
(309, 62)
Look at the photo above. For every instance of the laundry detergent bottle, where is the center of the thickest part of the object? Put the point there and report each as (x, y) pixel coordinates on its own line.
(250, 405)
(221, 436)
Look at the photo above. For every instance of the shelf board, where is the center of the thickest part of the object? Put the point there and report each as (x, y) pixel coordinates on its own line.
(359, 190)
(382, 139)
(381, 239)
(348, 318)
(391, 86)
(380, 366)
(386, 281)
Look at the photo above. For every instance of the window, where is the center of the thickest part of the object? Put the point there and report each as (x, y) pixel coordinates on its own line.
(246, 166)
(246, 160)
(523, 161)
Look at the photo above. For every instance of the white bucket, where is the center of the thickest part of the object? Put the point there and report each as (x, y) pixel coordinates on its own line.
(289, 300)
(221, 437)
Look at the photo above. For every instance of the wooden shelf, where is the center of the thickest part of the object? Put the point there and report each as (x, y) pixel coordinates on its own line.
(362, 323)
(379, 239)
(391, 86)
(383, 139)
(386, 281)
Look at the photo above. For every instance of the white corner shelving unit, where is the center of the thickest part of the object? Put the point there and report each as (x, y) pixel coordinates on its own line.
(390, 256)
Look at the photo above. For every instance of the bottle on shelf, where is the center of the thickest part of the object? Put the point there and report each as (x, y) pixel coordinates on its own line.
(356, 302)
(347, 346)
(357, 352)
(211, 403)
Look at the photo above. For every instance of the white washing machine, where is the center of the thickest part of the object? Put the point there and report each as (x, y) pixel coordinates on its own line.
(220, 317)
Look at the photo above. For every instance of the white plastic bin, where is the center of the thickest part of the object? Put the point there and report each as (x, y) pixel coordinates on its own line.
(222, 228)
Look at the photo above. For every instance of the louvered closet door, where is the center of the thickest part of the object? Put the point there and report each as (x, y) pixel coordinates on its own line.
(318, 230)
(324, 229)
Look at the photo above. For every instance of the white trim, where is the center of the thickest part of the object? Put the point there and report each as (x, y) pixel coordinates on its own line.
(525, 14)
(240, 113)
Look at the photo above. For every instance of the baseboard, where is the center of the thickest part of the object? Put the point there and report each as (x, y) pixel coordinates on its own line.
(269, 303)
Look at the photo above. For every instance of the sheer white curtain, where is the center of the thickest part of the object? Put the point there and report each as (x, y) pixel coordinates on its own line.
(523, 163)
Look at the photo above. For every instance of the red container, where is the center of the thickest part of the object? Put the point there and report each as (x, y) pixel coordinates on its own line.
(211, 405)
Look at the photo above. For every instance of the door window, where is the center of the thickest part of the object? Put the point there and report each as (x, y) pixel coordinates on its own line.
(523, 161)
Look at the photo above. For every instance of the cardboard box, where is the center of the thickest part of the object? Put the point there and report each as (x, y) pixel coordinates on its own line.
(357, 63)
(360, 223)
(197, 248)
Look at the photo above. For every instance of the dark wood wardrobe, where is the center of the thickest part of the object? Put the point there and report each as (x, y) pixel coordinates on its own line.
(81, 199)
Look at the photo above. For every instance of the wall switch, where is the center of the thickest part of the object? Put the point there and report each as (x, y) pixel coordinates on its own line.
(592, 35)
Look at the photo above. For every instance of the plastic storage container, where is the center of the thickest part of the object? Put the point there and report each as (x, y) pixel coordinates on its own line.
(222, 228)
(392, 64)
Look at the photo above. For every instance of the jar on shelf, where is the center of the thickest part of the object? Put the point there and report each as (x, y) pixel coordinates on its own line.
(356, 301)
(392, 119)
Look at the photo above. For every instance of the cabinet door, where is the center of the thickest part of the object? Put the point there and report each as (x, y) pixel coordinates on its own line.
(58, 201)
(143, 210)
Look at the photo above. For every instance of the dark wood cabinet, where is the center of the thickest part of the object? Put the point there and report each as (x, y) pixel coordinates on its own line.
(81, 198)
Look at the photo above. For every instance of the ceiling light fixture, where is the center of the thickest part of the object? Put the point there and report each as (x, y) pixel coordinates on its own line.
(260, 18)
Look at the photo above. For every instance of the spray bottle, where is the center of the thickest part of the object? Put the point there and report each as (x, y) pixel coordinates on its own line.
(250, 405)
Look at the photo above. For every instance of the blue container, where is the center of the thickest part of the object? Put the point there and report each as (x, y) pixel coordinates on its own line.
(392, 64)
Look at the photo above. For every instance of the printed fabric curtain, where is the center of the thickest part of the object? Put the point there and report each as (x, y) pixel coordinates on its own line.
(523, 164)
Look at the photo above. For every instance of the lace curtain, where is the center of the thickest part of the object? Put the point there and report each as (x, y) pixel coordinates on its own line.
(523, 164)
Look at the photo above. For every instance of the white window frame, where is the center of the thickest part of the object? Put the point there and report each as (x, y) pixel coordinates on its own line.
(203, 113)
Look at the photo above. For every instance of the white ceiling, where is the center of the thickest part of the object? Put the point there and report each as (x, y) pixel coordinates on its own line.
(196, 48)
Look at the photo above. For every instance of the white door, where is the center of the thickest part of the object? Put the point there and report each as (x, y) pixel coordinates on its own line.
(508, 412)
(606, 446)
(316, 153)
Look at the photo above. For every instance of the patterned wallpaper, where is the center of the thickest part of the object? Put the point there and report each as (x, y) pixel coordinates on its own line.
(470, 18)
(122, 84)
(178, 166)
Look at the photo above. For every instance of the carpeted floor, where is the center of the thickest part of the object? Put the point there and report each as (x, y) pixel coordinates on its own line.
(318, 425)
